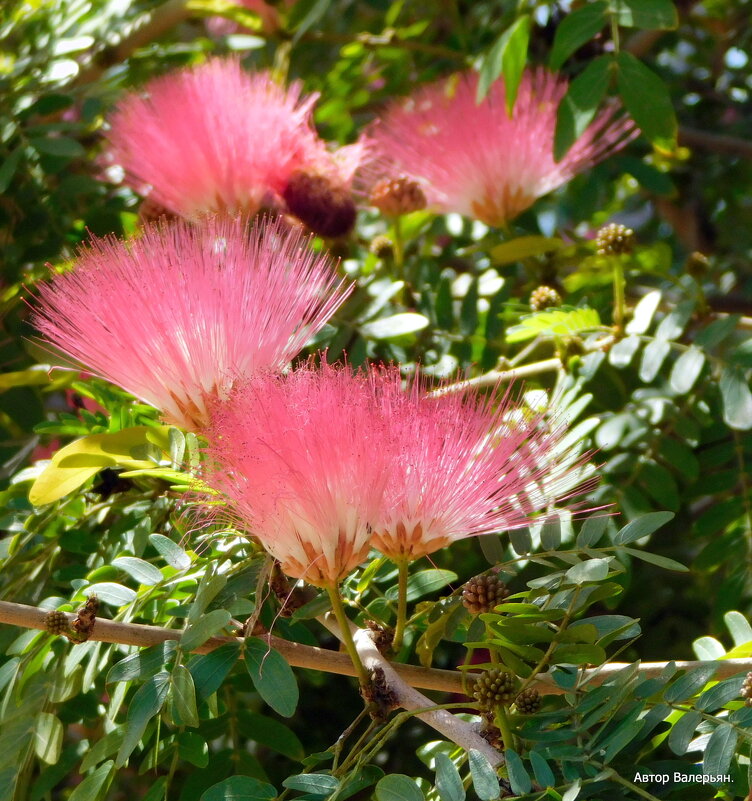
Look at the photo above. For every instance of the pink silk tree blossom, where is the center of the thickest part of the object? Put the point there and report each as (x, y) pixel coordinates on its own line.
(465, 465)
(177, 315)
(215, 138)
(472, 158)
(302, 460)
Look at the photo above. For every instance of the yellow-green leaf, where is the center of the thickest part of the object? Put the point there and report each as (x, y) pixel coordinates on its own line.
(77, 462)
(523, 247)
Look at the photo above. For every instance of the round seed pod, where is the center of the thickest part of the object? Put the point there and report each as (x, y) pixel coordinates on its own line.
(56, 622)
(494, 688)
(528, 702)
(544, 297)
(614, 238)
(746, 691)
(482, 593)
(396, 196)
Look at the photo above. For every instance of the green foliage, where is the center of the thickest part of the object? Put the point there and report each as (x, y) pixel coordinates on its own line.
(98, 497)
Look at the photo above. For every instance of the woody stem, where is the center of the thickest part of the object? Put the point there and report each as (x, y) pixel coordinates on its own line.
(399, 629)
(347, 638)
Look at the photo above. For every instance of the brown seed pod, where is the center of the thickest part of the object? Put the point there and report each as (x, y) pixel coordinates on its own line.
(482, 593)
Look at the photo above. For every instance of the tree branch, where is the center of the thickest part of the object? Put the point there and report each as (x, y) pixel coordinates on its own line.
(161, 20)
(718, 143)
(307, 656)
(455, 729)
(493, 377)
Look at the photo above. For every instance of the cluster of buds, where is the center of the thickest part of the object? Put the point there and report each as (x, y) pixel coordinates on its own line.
(746, 691)
(528, 702)
(544, 297)
(483, 593)
(495, 687)
(81, 628)
(396, 196)
(382, 247)
(613, 239)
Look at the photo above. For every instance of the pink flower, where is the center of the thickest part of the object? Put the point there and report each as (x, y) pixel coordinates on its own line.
(215, 138)
(473, 159)
(301, 458)
(466, 465)
(178, 314)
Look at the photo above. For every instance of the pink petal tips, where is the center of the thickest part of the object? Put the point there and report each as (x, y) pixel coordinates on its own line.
(178, 315)
(301, 459)
(474, 159)
(322, 465)
(215, 138)
(466, 465)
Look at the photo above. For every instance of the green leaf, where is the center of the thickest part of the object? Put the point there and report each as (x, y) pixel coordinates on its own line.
(738, 627)
(575, 29)
(720, 694)
(272, 734)
(61, 146)
(48, 737)
(737, 399)
(316, 11)
(448, 781)
(199, 632)
(210, 670)
(642, 314)
(272, 676)
(314, 783)
(395, 326)
(591, 570)
(543, 773)
(507, 57)
(170, 551)
(686, 370)
(93, 787)
(682, 732)
(521, 541)
(554, 323)
(573, 792)
(139, 569)
(658, 561)
(397, 787)
(580, 104)
(485, 780)
(519, 778)
(653, 356)
(144, 705)
(591, 532)
(9, 167)
(550, 535)
(144, 663)
(720, 750)
(423, 583)
(651, 15)
(642, 526)
(690, 683)
(183, 698)
(578, 654)
(648, 100)
(193, 748)
(240, 788)
(112, 593)
(524, 247)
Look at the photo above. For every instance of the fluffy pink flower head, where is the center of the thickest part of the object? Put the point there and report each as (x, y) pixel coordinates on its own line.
(215, 138)
(474, 159)
(465, 466)
(301, 460)
(177, 315)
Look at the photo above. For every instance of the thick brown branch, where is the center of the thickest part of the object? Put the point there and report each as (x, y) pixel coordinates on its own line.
(306, 656)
